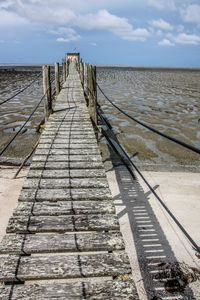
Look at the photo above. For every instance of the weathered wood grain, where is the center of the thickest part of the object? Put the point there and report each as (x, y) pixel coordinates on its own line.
(69, 146)
(64, 194)
(64, 208)
(82, 173)
(66, 165)
(69, 134)
(31, 183)
(71, 128)
(64, 158)
(98, 290)
(67, 141)
(63, 266)
(48, 243)
(67, 152)
(32, 224)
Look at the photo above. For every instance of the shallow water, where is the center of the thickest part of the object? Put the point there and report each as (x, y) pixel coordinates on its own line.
(166, 100)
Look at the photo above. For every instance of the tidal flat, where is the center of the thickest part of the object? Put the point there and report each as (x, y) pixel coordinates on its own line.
(168, 100)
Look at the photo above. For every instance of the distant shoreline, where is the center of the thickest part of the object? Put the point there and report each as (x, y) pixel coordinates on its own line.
(38, 67)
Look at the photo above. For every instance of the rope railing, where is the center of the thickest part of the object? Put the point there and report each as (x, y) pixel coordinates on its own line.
(192, 148)
(27, 120)
(114, 143)
(22, 90)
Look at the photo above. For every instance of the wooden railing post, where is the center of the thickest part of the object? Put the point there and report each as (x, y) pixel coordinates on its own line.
(85, 78)
(81, 73)
(57, 82)
(92, 93)
(64, 74)
(67, 67)
(47, 91)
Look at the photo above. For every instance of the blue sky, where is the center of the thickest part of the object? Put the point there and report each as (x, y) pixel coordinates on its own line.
(139, 32)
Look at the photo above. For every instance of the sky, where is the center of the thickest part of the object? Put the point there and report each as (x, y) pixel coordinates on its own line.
(133, 32)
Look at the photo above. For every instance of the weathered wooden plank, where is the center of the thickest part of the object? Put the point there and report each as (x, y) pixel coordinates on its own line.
(64, 158)
(67, 152)
(64, 208)
(82, 173)
(31, 183)
(67, 134)
(48, 243)
(70, 146)
(66, 165)
(69, 120)
(103, 290)
(71, 128)
(32, 224)
(62, 267)
(32, 195)
(67, 141)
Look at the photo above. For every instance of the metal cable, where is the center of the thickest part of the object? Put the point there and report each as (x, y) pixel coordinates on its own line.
(4, 149)
(192, 148)
(20, 91)
(113, 138)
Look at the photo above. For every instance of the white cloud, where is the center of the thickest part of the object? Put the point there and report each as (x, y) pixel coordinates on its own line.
(67, 34)
(166, 42)
(185, 39)
(159, 32)
(191, 13)
(67, 13)
(66, 40)
(180, 28)
(160, 23)
(162, 4)
(2, 41)
(117, 25)
(11, 19)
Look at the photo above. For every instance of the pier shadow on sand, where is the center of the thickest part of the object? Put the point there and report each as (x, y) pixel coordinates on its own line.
(162, 276)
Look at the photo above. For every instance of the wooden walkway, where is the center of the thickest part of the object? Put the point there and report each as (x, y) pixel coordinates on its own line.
(63, 240)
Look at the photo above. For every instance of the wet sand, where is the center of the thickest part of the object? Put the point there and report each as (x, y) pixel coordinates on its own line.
(168, 100)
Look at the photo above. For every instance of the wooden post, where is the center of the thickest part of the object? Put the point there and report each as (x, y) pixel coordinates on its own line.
(47, 91)
(57, 82)
(93, 69)
(85, 78)
(92, 94)
(64, 71)
(81, 72)
(67, 67)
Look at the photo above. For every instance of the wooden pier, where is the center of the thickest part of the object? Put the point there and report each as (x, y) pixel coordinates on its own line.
(63, 240)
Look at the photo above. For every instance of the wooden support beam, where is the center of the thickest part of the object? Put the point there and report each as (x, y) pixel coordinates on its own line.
(92, 93)
(57, 82)
(85, 77)
(64, 71)
(47, 92)
(81, 72)
(67, 67)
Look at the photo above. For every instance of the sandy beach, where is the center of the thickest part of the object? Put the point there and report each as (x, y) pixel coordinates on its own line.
(137, 208)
